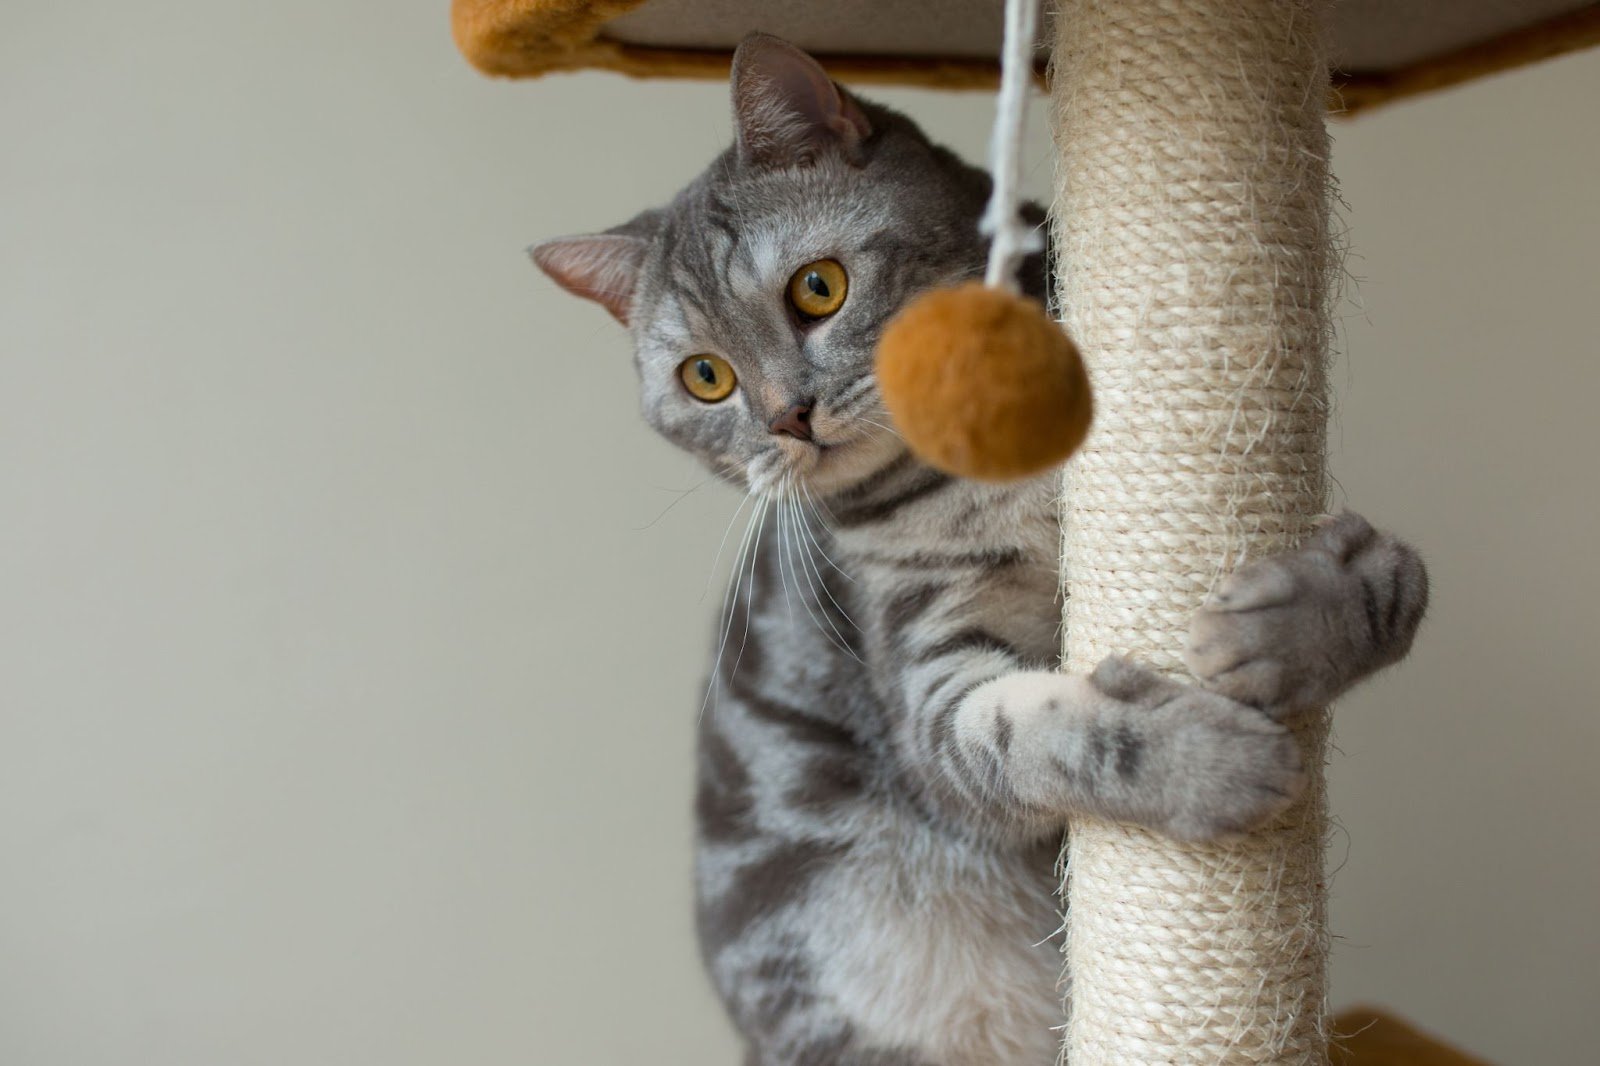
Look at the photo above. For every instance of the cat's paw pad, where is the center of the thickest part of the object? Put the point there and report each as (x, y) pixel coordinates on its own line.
(1292, 631)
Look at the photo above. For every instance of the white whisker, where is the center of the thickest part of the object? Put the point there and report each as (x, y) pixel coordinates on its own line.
(832, 631)
(784, 556)
(724, 543)
(786, 502)
(818, 502)
(806, 528)
(755, 557)
(731, 599)
(682, 495)
(808, 558)
(887, 429)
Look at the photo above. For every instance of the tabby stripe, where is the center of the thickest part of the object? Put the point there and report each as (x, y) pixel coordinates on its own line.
(1129, 751)
(770, 882)
(730, 235)
(875, 480)
(1397, 603)
(967, 779)
(998, 559)
(829, 1051)
(827, 781)
(908, 606)
(853, 392)
(1003, 730)
(688, 290)
(968, 640)
(930, 483)
(941, 727)
(802, 727)
(1369, 600)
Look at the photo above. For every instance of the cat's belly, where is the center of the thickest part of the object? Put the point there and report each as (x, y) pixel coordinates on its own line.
(947, 954)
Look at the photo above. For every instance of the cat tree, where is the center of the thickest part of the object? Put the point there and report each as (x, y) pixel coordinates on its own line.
(1191, 217)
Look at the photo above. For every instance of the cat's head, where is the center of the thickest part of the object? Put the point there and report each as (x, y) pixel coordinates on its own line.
(756, 297)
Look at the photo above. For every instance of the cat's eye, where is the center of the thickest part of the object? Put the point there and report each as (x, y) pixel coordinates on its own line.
(818, 289)
(708, 378)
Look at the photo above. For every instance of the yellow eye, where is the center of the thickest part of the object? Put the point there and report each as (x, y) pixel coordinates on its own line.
(817, 289)
(708, 378)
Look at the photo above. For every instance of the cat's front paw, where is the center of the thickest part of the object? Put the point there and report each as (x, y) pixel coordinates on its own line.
(1291, 632)
(1225, 768)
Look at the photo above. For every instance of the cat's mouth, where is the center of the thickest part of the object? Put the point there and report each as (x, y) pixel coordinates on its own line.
(826, 464)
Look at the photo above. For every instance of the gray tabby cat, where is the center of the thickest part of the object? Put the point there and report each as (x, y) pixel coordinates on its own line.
(888, 757)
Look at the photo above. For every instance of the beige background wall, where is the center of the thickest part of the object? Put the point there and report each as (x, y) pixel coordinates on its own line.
(347, 672)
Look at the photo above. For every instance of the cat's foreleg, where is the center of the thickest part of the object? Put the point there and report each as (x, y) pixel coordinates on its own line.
(1291, 632)
(1026, 749)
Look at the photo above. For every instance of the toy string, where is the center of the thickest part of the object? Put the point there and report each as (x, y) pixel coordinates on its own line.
(1012, 239)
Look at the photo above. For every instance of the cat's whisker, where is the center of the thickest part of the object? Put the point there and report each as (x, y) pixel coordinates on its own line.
(784, 556)
(682, 495)
(735, 577)
(785, 503)
(814, 507)
(723, 544)
(823, 512)
(858, 390)
(750, 593)
(832, 631)
(876, 430)
(808, 558)
(887, 429)
(731, 599)
(806, 528)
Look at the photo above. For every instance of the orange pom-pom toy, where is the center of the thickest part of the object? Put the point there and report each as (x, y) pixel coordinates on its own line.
(978, 379)
(982, 384)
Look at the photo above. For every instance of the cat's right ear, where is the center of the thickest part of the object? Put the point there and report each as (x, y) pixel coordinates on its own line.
(603, 267)
(788, 111)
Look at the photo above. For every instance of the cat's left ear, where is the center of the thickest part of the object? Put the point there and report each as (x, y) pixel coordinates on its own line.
(788, 111)
(603, 267)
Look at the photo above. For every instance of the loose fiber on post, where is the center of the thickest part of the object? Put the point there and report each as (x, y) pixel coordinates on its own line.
(1192, 225)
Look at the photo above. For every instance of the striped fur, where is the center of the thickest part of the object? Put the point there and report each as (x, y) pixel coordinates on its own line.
(887, 757)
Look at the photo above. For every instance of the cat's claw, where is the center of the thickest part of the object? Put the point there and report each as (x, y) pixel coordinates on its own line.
(1291, 632)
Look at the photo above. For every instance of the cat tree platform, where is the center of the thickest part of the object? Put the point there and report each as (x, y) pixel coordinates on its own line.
(1383, 50)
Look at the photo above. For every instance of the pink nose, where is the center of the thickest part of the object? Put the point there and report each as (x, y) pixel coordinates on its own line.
(796, 422)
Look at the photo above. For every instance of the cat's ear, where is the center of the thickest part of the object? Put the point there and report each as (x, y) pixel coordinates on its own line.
(787, 110)
(603, 267)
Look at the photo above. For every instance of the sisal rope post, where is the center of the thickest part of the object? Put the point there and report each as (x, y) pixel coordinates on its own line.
(1191, 219)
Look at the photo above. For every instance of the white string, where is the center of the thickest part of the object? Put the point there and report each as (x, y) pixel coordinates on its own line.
(1013, 239)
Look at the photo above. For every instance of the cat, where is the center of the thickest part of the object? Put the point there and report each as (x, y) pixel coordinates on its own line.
(887, 755)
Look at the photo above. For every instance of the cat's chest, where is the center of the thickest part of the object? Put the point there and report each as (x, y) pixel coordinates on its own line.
(976, 555)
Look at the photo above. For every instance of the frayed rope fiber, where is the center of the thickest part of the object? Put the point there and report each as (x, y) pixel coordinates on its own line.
(1191, 224)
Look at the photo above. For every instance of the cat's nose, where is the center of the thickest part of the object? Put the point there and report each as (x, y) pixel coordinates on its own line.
(796, 422)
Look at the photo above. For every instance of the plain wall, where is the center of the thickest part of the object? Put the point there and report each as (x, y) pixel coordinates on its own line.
(348, 661)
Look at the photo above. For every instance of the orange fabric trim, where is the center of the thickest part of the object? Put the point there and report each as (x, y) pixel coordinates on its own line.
(526, 38)
(529, 38)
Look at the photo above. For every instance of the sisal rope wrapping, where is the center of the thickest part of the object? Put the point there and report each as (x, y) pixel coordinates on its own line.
(1192, 225)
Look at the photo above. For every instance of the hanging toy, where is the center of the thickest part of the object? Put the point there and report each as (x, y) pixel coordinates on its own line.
(980, 381)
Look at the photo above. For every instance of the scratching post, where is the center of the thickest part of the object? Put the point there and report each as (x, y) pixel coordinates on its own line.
(1192, 224)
